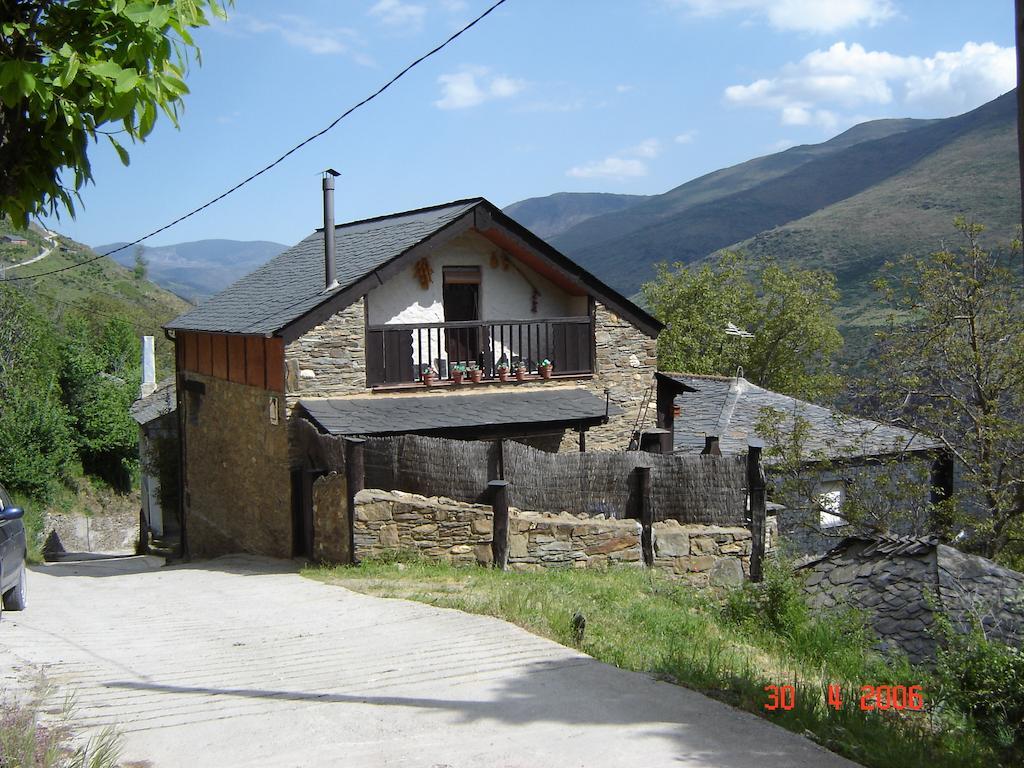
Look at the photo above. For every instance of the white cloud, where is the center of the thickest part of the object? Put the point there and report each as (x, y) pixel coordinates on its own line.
(849, 77)
(454, 6)
(798, 15)
(624, 88)
(649, 148)
(629, 163)
(302, 33)
(610, 168)
(686, 137)
(395, 13)
(473, 86)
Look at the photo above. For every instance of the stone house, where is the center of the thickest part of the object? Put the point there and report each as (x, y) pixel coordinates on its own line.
(840, 457)
(364, 332)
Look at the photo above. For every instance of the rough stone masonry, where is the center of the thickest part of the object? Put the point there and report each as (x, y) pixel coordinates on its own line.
(445, 530)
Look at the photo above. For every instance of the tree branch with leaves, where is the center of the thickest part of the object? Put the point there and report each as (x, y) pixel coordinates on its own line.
(68, 68)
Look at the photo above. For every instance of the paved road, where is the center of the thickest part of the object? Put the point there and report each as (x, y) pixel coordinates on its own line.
(242, 662)
(51, 238)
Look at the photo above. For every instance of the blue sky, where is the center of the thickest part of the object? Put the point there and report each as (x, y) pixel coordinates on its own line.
(542, 96)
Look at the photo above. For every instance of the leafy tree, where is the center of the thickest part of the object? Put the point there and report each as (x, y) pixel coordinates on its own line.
(141, 263)
(100, 376)
(788, 311)
(36, 445)
(69, 67)
(891, 492)
(951, 364)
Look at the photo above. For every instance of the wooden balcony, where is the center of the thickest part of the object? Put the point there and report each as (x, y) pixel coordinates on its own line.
(399, 354)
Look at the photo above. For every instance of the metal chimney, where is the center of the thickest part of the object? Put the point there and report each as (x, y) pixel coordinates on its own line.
(330, 281)
(148, 368)
(711, 447)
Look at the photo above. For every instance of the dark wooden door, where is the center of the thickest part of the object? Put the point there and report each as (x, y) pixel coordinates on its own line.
(461, 296)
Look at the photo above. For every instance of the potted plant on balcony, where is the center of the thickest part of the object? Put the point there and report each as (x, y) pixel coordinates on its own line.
(475, 373)
(545, 368)
(428, 375)
(520, 371)
(502, 368)
(458, 372)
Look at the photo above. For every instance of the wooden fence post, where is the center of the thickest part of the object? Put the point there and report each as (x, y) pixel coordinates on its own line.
(499, 534)
(757, 495)
(646, 516)
(355, 480)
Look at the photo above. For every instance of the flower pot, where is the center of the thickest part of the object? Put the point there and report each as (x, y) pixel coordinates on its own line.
(503, 375)
(428, 379)
(475, 375)
(457, 376)
(545, 371)
(520, 374)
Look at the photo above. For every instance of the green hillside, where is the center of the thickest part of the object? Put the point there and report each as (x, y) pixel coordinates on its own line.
(975, 175)
(550, 216)
(593, 240)
(99, 290)
(844, 171)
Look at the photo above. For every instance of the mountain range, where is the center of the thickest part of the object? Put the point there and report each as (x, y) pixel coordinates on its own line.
(197, 270)
(879, 190)
(874, 192)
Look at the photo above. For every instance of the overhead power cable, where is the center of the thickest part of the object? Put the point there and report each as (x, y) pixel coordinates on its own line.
(283, 157)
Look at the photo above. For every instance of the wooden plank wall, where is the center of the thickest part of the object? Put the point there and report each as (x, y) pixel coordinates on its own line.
(253, 360)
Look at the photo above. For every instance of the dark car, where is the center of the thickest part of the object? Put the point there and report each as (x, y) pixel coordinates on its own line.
(12, 554)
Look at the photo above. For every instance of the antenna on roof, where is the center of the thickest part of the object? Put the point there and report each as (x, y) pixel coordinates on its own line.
(734, 330)
(330, 281)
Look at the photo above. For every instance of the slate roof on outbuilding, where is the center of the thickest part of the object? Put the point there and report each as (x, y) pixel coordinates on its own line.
(429, 413)
(729, 409)
(900, 580)
(163, 400)
(291, 285)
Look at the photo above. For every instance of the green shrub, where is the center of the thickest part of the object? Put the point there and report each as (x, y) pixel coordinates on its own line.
(983, 679)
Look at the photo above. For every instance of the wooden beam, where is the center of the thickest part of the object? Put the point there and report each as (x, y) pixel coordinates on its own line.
(499, 534)
(756, 490)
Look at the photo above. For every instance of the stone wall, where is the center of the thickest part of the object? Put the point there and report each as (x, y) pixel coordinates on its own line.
(330, 359)
(537, 540)
(707, 554)
(626, 361)
(893, 495)
(442, 529)
(237, 485)
(436, 528)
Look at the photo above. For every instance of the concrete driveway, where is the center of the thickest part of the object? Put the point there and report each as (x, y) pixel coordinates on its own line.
(241, 662)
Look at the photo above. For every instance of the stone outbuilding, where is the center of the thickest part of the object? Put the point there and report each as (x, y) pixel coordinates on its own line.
(902, 582)
(841, 456)
(452, 321)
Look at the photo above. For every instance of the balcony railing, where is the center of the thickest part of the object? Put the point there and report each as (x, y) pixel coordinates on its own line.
(402, 353)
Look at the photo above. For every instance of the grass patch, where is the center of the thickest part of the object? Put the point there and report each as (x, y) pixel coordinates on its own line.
(28, 740)
(727, 647)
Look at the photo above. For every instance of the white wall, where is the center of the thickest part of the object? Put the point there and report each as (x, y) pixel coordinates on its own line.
(505, 294)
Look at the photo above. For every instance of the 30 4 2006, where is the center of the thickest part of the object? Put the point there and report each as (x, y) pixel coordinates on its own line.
(872, 698)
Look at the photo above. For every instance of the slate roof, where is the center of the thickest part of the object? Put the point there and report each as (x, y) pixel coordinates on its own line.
(292, 283)
(162, 401)
(729, 408)
(899, 580)
(397, 415)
